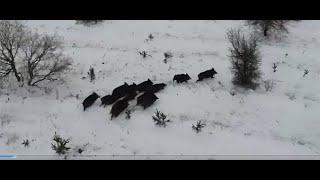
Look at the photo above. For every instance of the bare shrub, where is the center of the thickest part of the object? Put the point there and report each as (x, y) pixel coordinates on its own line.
(198, 126)
(245, 58)
(160, 119)
(59, 145)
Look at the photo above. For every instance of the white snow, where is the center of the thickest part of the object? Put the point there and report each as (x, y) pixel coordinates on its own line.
(284, 121)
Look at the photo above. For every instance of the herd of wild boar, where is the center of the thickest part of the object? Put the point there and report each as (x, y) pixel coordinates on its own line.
(121, 95)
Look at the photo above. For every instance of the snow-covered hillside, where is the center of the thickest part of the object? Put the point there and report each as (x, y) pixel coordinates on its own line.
(284, 121)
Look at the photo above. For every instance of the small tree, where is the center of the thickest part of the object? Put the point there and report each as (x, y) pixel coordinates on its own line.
(245, 58)
(269, 26)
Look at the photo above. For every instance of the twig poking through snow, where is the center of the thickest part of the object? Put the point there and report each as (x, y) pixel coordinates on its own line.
(274, 67)
(26, 143)
(91, 74)
(198, 127)
(60, 146)
(305, 72)
(144, 54)
(160, 119)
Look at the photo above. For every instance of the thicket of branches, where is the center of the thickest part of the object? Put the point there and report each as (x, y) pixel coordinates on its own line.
(30, 56)
(269, 27)
(245, 58)
(12, 39)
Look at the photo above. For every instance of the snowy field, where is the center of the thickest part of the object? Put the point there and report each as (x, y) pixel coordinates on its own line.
(284, 121)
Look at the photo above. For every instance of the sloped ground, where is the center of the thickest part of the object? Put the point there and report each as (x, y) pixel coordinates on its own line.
(283, 121)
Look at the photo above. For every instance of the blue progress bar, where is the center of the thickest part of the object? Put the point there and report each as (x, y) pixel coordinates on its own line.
(7, 156)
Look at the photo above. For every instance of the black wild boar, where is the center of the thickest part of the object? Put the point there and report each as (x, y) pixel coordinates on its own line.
(130, 96)
(118, 107)
(155, 88)
(132, 88)
(120, 91)
(90, 100)
(180, 78)
(207, 74)
(146, 100)
(149, 89)
(108, 100)
(160, 86)
(131, 92)
(142, 86)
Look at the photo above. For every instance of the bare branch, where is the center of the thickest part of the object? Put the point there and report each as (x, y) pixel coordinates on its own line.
(43, 59)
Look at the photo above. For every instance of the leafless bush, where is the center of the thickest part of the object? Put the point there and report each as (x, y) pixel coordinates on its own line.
(245, 58)
(160, 118)
(198, 126)
(59, 145)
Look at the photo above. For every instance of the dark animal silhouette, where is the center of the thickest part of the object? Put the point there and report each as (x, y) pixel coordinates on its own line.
(89, 101)
(130, 96)
(142, 86)
(132, 88)
(207, 74)
(160, 86)
(146, 100)
(180, 78)
(120, 91)
(118, 107)
(108, 100)
(155, 88)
